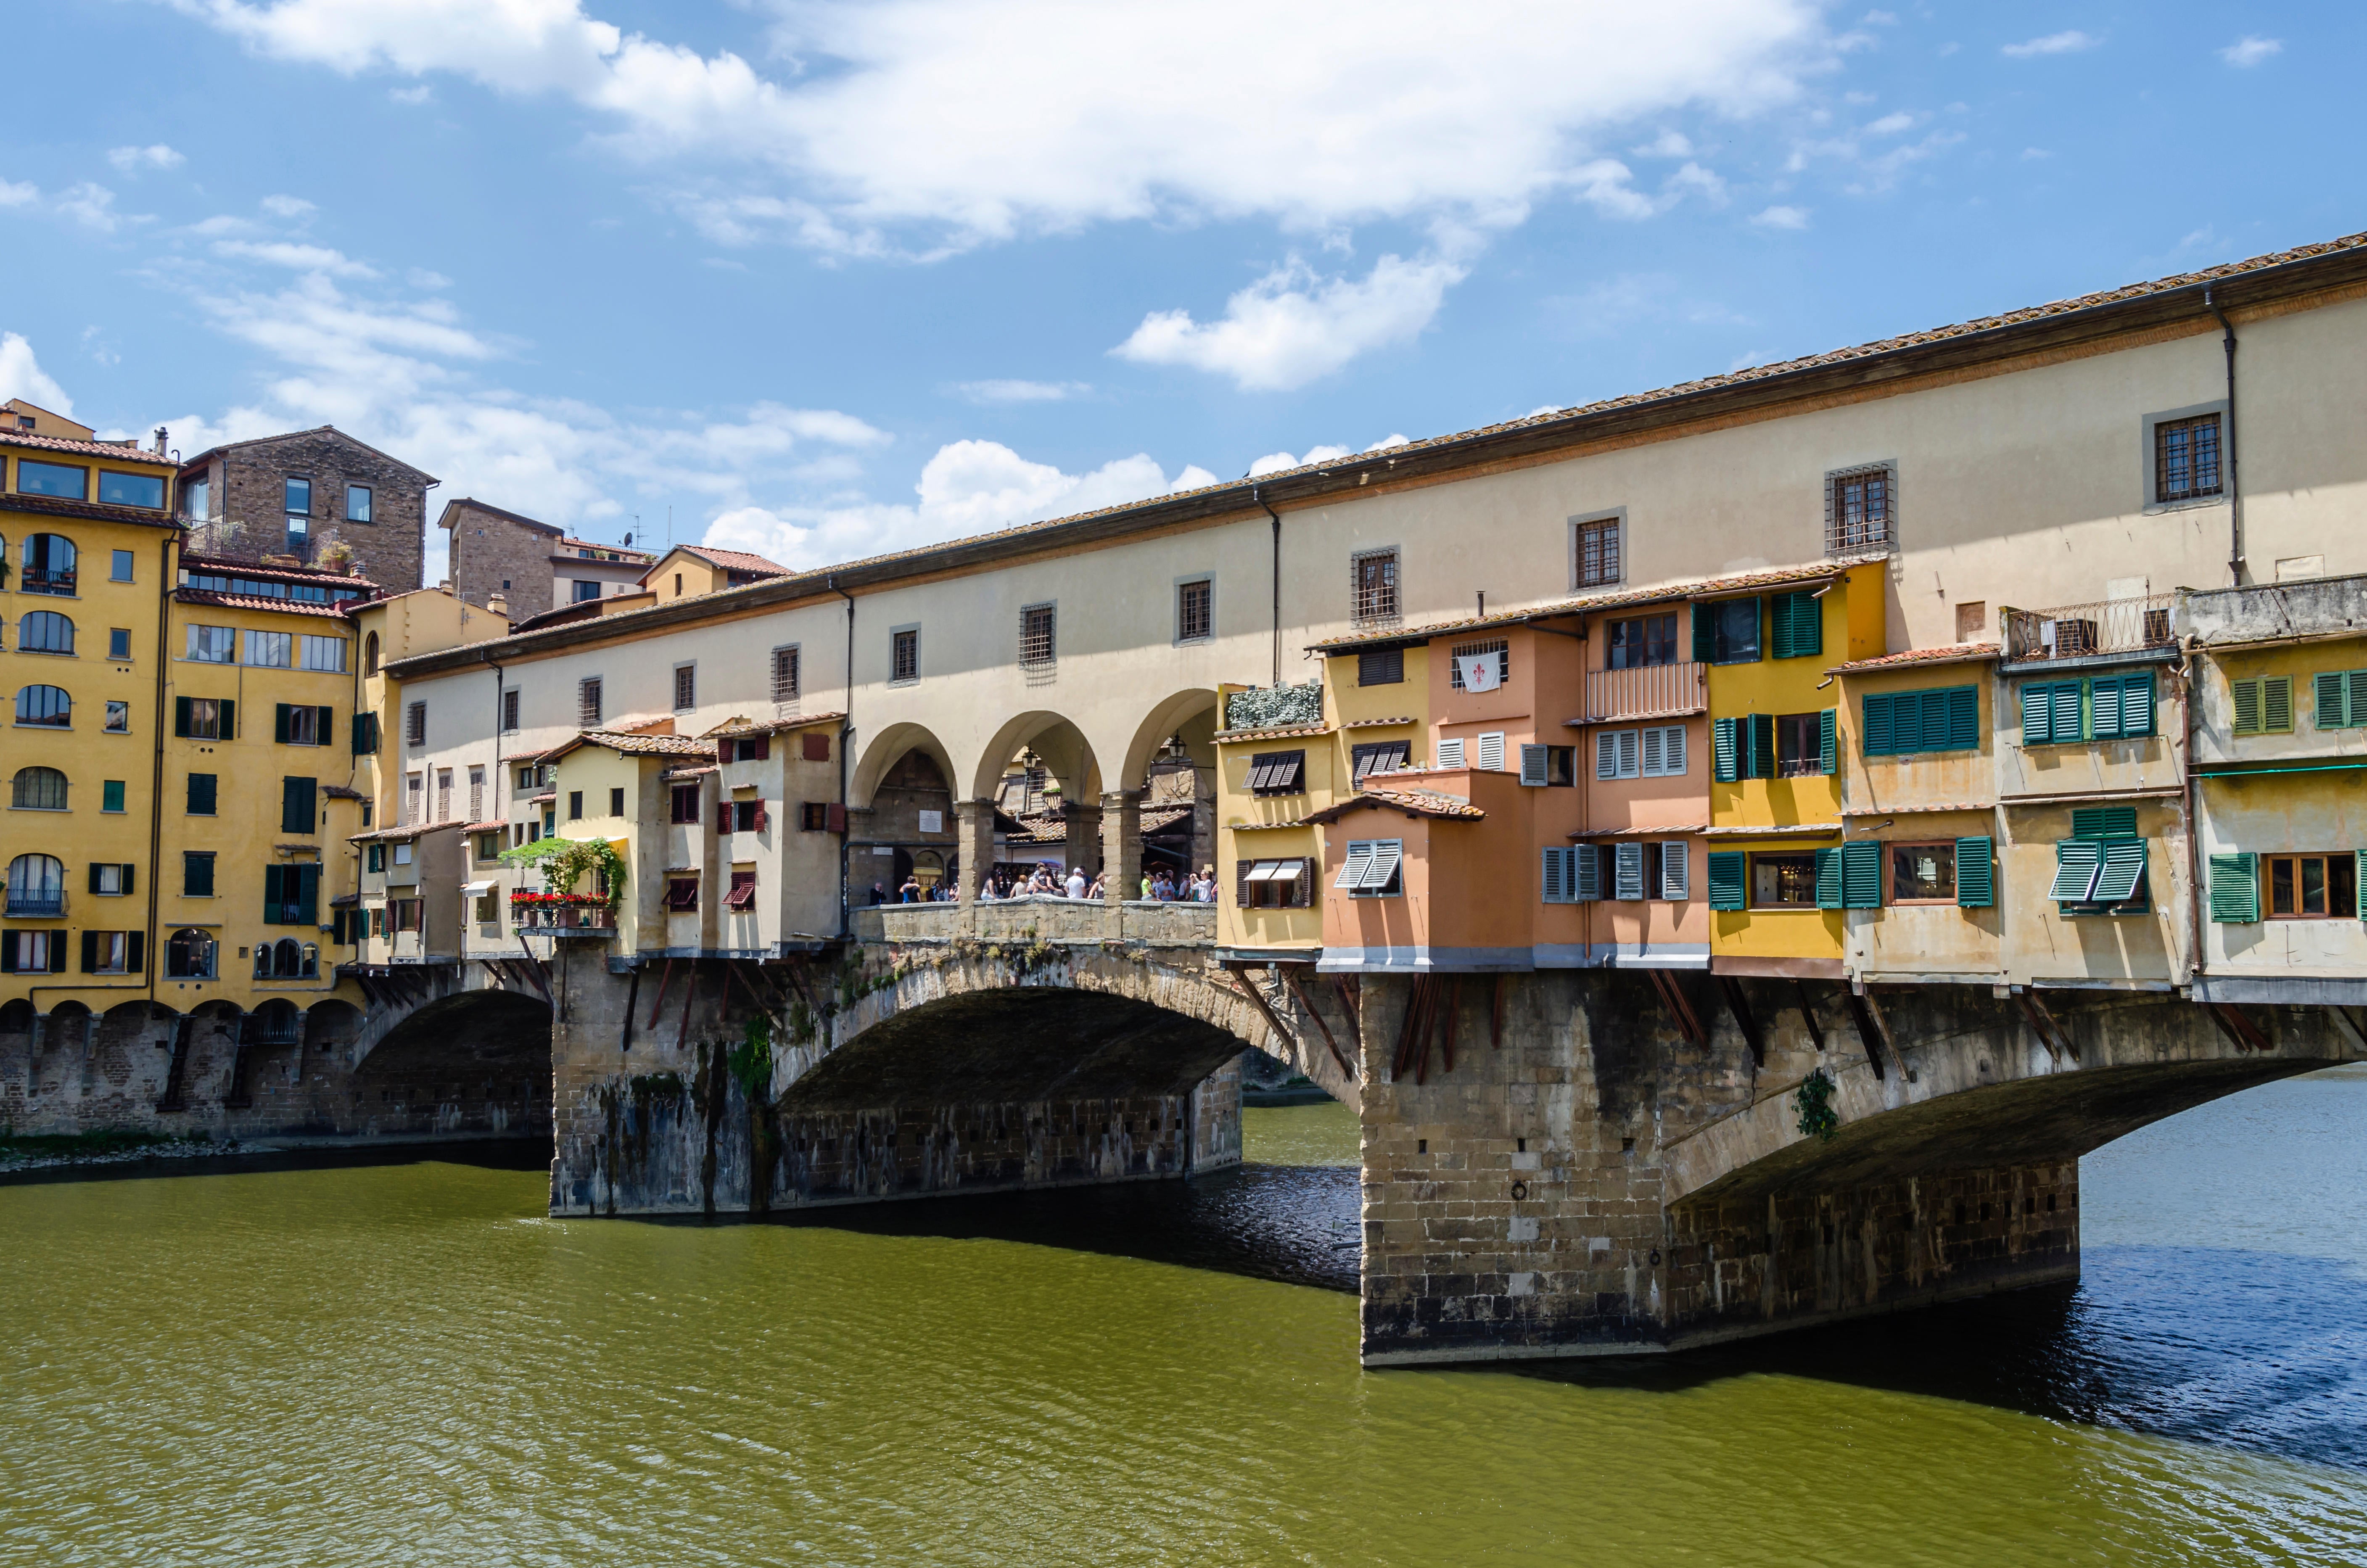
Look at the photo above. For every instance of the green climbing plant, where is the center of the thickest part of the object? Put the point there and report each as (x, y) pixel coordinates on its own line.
(750, 1059)
(564, 862)
(1815, 1099)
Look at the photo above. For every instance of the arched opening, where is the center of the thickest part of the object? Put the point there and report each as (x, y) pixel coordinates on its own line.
(475, 1062)
(48, 563)
(287, 959)
(38, 789)
(45, 706)
(903, 833)
(45, 631)
(189, 955)
(1045, 783)
(370, 654)
(1172, 763)
(37, 883)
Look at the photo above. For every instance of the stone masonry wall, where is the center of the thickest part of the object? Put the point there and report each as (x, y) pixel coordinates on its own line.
(249, 501)
(489, 550)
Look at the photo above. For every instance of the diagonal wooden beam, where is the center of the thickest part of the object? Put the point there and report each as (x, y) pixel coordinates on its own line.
(2238, 1026)
(665, 979)
(1739, 1005)
(1299, 988)
(1808, 1014)
(1679, 1006)
(1880, 1055)
(1349, 1003)
(1257, 1000)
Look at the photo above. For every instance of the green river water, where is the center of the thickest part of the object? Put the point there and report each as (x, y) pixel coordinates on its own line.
(407, 1364)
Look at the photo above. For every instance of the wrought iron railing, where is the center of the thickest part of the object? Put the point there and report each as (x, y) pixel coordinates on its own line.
(36, 580)
(2077, 631)
(1648, 692)
(548, 918)
(36, 906)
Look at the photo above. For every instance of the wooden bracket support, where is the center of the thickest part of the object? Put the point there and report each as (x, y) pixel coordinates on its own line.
(2238, 1027)
(534, 969)
(1808, 1014)
(665, 979)
(1739, 1005)
(1349, 996)
(632, 999)
(2044, 1024)
(1680, 1007)
(1299, 988)
(1880, 1055)
(1257, 1000)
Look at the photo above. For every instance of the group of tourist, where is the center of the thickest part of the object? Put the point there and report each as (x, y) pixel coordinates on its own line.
(1047, 881)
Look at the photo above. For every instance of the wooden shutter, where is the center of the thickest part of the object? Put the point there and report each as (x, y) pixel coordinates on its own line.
(1975, 874)
(93, 876)
(1302, 886)
(1533, 766)
(1631, 763)
(2104, 708)
(226, 728)
(1964, 718)
(2136, 704)
(279, 722)
(1879, 736)
(90, 953)
(1727, 878)
(1828, 742)
(1676, 870)
(272, 878)
(135, 953)
(326, 735)
(1554, 875)
(1828, 879)
(57, 952)
(1628, 872)
(2330, 710)
(1725, 746)
(1705, 632)
(2354, 689)
(2244, 698)
(1763, 746)
(2276, 705)
(1586, 873)
(2075, 864)
(130, 875)
(1606, 754)
(2236, 890)
(2104, 822)
(2037, 711)
(1672, 749)
(1795, 626)
(2063, 700)
(1351, 870)
(181, 718)
(2124, 864)
(1862, 874)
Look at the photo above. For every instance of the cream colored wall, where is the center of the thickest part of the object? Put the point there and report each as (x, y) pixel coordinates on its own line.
(2303, 813)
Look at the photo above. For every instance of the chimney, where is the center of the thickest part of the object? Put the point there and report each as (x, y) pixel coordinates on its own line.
(498, 603)
(160, 441)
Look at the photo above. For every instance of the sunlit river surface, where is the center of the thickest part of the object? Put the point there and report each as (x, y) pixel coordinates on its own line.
(406, 1363)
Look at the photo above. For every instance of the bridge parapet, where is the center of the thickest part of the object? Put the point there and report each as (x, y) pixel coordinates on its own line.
(1042, 918)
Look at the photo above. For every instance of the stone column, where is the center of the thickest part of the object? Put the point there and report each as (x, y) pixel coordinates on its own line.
(1121, 849)
(974, 821)
(1084, 849)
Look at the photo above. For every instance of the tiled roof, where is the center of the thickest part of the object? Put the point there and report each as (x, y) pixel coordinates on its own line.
(1413, 802)
(637, 745)
(1376, 723)
(192, 561)
(1153, 819)
(624, 555)
(189, 463)
(257, 602)
(19, 437)
(736, 725)
(1918, 810)
(737, 561)
(342, 791)
(1784, 831)
(1960, 653)
(399, 831)
(1287, 732)
(1638, 832)
(1265, 827)
(56, 506)
(492, 511)
(699, 771)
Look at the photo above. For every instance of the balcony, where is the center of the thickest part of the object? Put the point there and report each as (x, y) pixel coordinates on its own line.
(587, 919)
(1652, 691)
(34, 904)
(2086, 631)
(36, 580)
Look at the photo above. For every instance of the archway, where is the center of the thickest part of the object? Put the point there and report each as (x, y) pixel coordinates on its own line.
(470, 1062)
(902, 828)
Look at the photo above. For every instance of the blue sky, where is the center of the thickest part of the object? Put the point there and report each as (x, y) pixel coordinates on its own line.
(824, 280)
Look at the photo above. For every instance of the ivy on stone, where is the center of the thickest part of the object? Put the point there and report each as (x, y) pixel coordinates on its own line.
(1814, 1100)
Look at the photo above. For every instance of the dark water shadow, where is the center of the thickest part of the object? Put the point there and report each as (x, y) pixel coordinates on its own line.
(486, 1154)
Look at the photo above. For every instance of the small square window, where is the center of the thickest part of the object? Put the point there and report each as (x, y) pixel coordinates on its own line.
(119, 642)
(118, 719)
(1373, 578)
(1381, 667)
(1923, 873)
(1596, 545)
(2186, 460)
(121, 572)
(1783, 881)
(358, 503)
(1195, 607)
(1037, 645)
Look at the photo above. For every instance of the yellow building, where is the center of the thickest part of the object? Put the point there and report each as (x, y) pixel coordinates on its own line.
(687, 571)
(1778, 877)
(87, 556)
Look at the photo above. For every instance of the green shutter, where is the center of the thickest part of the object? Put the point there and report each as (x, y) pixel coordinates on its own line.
(135, 953)
(1704, 633)
(325, 735)
(2076, 861)
(181, 717)
(1794, 626)
(1975, 874)
(1726, 750)
(1880, 736)
(2331, 710)
(1964, 718)
(1829, 754)
(1758, 629)
(1907, 717)
(2104, 822)
(2354, 688)
(2236, 890)
(2037, 706)
(279, 712)
(110, 795)
(93, 876)
(2276, 705)
(1726, 879)
(229, 720)
(292, 815)
(272, 877)
(2136, 704)
(2104, 708)
(2244, 698)
(1828, 879)
(308, 894)
(2124, 863)
(201, 794)
(2064, 700)
(1860, 875)
(1762, 745)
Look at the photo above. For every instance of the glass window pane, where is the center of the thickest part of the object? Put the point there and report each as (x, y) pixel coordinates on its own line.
(132, 490)
(52, 478)
(299, 497)
(358, 502)
(2281, 888)
(2313, 886)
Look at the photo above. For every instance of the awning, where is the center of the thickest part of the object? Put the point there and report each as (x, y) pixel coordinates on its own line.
(484, 887)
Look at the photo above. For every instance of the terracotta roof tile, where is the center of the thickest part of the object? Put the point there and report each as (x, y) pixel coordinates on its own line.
(1285, 732)
(1960, 653)
(17, 437)
(257, 602)
(737, 561)
(1378, 723)
(734, 726)
(1415, 802)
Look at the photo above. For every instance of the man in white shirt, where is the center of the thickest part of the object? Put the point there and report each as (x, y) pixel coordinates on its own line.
(1076, 884)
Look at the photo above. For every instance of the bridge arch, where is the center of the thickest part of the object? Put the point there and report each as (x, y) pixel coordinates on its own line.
(1167, 718)
(1067, 754)
(465, 1060)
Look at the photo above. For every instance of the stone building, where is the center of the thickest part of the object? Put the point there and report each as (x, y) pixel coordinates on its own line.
(318, 495)
(536, 567)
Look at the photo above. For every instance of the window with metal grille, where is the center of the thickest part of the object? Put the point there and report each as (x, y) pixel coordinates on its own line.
(904, 654)
(1861, 510)
(685, 686)
(1499, 648)
(1381, 667)
(2186, 459)
(1278, 772)
(1597, 544)
(785, 674)
(415, 724)
(1037, 644)
(1374, 577)
(510, 711)
(587, 702)
(1195, 610)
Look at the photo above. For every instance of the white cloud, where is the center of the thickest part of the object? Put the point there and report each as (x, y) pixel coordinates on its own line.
(1782, 217)
(2033, 155)
(1891, 124)
(1390, 442)
(411, 95)
(971, 122)
(93, 206)
(2249, 50)
(132, 160)
(1011, 391)
(1291, 326)
(13, 194)
(2070, 42)
(1700, 181)
(300, 258)
(291, 207)
(21, 376)
(1668, 144)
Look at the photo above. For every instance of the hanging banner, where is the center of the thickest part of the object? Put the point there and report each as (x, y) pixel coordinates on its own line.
(1479, 672)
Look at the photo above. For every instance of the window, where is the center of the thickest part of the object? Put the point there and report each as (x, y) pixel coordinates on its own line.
(1640, 641)
(749, 817)
(1923, 873)
(48, 707)
(1374, 869)
(119, 642)
(1803, 744)
(2263, 705)
(1783, 881)
(358, 504)
(1467, 650)
(110, 796)
(1744, 747)
(684, 799)
(112, 953)
(45, 631)
(1795, 626)
(38, 789)
(1596, 547)
(295, 724)
(196, 874)
(1278, 772)
(575, 805)
(1275, 884)
(37, 886)
(2341, 698)
(118, 719)
(1450, 751)
(376, 858)
(1860, 511)
(402, 852)
(1491, 753)
(299, 800)
(414, 797)
(1674, 880)
(477, 795)
(2101, 869)
(323, 653)
(32, 952)
(1725, 631)
(1195, 610)
(120, 569)
(415, 724)
(443, 794)
(489, 847)
(1569, 874)
(200, 795)
(685, 687)
(587, 702)
(143, 491)
(1658, 752)
(364, 734)
(815, 745)
(296, 498)
(904, 654)
(1381, 667)
(682, 895)
(61, 479)
(1373, 578)
(212, 645)
(370, 654)
(291, 894)
(743, 891)
(1944, 719)
(49, 558)
(785, 674)
(269, 650)
(821, 816)
(617, 800)
(1037, 644)
(2313, 888)
(1379, 757)
(198, 498)
(189, 955)
(2186, 459)
(2108, 707)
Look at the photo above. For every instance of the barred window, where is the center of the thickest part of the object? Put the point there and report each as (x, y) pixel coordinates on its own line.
(904, 654)
(1598, 552)
(2186, 459)
(1375, 576)
(1860, 509)
(785, 674)
(415, 724)
(510, 711)
(685, 686)
(587, 702)
(1195, 604)
(1036, 646)
(1499, 648)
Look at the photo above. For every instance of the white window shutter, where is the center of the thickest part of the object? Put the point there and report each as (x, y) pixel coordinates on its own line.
(1676, 872)
(1606, 753)
(1492, 751)
(1360, 856)
(1672, 749)
(1450, 752)
(1627, 871)
(1652, 753)
(1586, 880)
(1627, 759)
(1383, 864)
(1533, 766)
